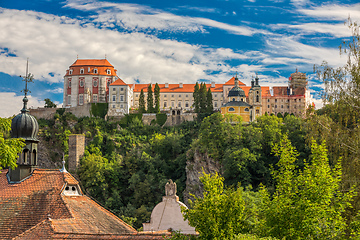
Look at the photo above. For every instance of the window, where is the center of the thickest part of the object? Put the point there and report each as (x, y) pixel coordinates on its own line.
(299, 100)
(164, 104)
(246, 109)
(275, 106)
(137, 95)
(179, 95)
(69, 83)
(179, 104)
(164, 95)
(257, 111)
(186, 95)
(114, 89)
(257, 98)
(282, 106)
(95, 83)
(186, 104)
(215, 95)
(172, 104)
(121, 106)
(95, 70)
(215, 104)
(233, 99)
(287, 106)
(69, 100)
(113, 106)
(231, 109)
(81, 83)
(82, 71)
(81, 99)
(108, 71)
(114, 98)
(122, 89)
(121, 98)
(268, 100)
(268, 106)
(294, 100)
(275, 100)
(242, 100)
(95, 98)
(70, 71)
(172, 95)
(257, 92)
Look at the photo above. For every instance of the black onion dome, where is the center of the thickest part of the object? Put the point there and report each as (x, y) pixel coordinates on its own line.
(236, 92)
(24, 125)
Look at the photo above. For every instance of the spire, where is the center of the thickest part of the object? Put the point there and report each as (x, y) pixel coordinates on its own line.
(256, 80)
(236, 81)
(27, 78)
(63, 166)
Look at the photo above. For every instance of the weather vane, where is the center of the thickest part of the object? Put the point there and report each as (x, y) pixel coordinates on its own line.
(27, 78)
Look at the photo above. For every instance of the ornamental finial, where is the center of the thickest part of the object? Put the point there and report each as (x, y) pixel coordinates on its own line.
(27, 79)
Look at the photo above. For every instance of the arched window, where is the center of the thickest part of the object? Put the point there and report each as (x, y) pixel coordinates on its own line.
(231, 109)
(233, 99)
(246, 109)
(26, 156)
(82, 71)
(95, 70)
(34, 157)
(257, 98)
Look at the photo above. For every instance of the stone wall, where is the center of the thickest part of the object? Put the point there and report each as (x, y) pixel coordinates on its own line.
(148, 117)
(173, 120)
(76, 150)
(48, 113)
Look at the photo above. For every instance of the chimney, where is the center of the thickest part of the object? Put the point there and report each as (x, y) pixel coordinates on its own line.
(180, 85)
(166, 85)
(76, 151)
(212, 84)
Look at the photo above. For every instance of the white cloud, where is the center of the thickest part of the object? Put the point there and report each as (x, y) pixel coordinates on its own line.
(52, 43)
(14, 103)
(334, 12)
(141, 18)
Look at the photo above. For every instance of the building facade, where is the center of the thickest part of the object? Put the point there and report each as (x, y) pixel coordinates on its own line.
(87, 81)
(91, 81)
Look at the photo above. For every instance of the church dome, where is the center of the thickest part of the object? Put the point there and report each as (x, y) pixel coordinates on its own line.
(236, 92)
(24, 125)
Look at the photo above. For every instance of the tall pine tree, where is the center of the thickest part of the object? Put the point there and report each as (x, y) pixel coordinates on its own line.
(209, 102)
(196, 98)
(150, 100)
(157, 98)
(203, 98)
(142, 102)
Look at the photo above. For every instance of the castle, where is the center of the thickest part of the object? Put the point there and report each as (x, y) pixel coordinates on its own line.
(95, 81)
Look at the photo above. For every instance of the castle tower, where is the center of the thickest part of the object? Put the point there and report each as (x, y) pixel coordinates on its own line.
(255, 98)
(25, 126)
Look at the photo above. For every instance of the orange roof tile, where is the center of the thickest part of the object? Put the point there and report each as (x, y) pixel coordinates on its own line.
(36, 209)
(91, 62)
(118, 82)
(175, 88)
(232, 82)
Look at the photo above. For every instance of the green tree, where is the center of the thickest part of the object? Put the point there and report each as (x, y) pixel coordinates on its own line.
(203, 98)
(221, 213)
(49, 103)
(142, 102)
(196, 98)
(157, 98)
(209, 102)
(306, 204)
(9, 147)
(150, 99)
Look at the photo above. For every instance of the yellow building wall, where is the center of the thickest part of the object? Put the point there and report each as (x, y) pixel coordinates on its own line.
(240, 111)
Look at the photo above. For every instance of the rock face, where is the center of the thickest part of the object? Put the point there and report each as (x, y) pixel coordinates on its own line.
(197, 163)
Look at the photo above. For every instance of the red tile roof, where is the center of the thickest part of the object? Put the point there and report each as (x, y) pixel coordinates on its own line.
(175, 88)
(118, 82)
(91, 62)
(36, 209)
(232, 82)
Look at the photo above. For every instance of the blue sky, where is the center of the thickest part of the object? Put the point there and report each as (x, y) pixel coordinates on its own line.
(168, 41)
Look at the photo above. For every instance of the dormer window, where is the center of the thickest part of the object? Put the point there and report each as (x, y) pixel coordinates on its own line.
(70, 71)
(108, 71)
(81, 71)
(71, 190)
(95, 70)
